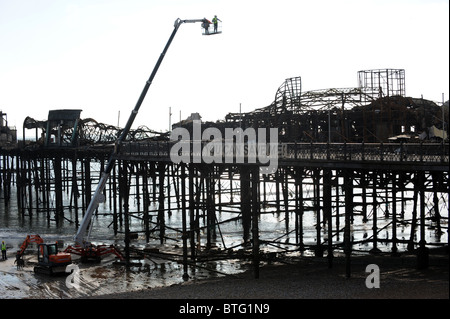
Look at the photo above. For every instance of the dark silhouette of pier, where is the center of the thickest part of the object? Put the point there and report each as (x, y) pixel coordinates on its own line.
(342, 167)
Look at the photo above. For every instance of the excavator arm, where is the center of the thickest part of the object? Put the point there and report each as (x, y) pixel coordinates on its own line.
(28, 240)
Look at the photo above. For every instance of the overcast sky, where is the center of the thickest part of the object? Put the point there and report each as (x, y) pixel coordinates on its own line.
(96, 55)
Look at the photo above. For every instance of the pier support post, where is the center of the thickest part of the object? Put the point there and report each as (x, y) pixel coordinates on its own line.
(75, 192)
(394, 215)
(125, 194)
(422, 252)
(87, 181)
(146, 201)
(29, 180)
(58, 189)
(437, 215)
(191, 211)
(255, 216)
(375, 249)
(161, 198)
(364, 196)
(6, 179)
(299, 208)
(210, 206)
(348, 213)
(245, 201)
(285, 190)
(411, 246)
(318, 250)
(114, 198)
(184, 220)
(327, 210)
(301, 211)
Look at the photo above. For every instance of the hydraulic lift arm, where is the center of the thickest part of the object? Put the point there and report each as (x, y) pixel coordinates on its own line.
(98, 196)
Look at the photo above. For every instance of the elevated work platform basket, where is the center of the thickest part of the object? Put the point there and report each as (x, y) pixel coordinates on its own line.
(210, 28)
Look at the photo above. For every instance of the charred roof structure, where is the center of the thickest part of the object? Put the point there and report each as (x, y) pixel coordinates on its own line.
(375, 111)
(378, 110)
(66, 128)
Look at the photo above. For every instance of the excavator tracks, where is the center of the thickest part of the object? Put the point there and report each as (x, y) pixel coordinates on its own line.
(49, 271)
(43, 270)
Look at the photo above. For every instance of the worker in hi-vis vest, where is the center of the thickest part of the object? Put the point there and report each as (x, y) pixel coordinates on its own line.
(214, 20)
(3, 250)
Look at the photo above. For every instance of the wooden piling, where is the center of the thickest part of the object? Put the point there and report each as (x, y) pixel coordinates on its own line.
(327, 204)
(348, 212)
(59, 212)
(184, 235)
(124, 193)
(394, 249)
(191, 212)
(146, 201)
(245, 202)
(299, 208)
(422, 251)
(161, 201)
(318, 250)
(210, 207)
(374, 249)
(254, 219)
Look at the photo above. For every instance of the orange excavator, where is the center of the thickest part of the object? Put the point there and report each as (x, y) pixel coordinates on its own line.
(50, 261)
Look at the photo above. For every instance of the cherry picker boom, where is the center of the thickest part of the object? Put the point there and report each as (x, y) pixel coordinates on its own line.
(82, 246)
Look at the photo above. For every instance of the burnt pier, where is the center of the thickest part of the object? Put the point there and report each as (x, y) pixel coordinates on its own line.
(358, 170)
(331, 187)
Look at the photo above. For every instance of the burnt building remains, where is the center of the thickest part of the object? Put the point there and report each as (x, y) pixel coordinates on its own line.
(375, 111)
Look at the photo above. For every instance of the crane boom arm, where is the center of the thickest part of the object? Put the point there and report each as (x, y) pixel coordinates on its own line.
(97, 198)
(190, 21)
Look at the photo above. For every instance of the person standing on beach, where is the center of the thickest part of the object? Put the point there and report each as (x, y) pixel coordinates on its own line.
(3, 251)
(215, 22)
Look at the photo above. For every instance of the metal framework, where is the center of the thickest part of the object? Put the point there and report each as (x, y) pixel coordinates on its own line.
(90, 132)
(375, 111)
(383, 82)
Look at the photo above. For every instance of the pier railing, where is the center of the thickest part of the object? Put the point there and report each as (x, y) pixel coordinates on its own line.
(365, 152)
(379, 152)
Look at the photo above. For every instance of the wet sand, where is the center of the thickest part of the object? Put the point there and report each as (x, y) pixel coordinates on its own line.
(311, 278)
(295, 278)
